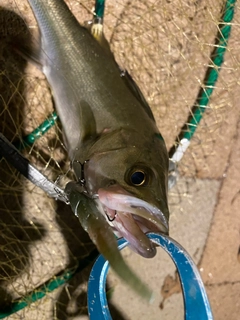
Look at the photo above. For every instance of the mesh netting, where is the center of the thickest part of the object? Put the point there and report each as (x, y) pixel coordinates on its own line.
(167, 46)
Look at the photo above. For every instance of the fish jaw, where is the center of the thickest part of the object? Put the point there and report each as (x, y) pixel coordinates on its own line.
(131, 218)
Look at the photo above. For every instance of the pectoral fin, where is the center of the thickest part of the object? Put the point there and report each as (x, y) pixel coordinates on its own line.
(79, 127)
(87, 121)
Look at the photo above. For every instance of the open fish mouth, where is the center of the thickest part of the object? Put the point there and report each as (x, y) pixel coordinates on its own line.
(131, 218)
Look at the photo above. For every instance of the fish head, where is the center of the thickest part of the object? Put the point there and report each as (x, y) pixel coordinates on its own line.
(129, 181)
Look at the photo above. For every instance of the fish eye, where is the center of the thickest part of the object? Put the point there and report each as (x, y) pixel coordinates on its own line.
(138, 178)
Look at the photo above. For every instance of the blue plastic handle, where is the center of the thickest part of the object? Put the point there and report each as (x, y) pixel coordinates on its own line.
(196, 303)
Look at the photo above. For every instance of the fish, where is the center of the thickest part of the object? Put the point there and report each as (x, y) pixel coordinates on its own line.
(117, 153)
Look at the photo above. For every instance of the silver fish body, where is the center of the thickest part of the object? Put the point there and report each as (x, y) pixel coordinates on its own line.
(117, 152)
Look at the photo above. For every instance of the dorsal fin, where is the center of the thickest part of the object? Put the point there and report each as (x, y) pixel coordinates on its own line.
(95, 27)
(131, 84)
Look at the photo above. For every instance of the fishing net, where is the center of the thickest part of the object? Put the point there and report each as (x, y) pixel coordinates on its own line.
(170, 48)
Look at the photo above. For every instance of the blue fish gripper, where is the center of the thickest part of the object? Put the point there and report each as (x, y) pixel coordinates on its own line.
(196, 303)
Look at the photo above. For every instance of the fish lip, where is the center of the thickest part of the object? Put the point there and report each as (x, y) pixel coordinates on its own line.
(135, 206)
(154, 216)
(131, 218)
(153, 227)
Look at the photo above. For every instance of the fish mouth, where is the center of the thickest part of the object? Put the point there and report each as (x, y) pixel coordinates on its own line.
(131, 218)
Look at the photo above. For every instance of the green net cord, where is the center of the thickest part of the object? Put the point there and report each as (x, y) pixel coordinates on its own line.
(213, 70)
(99, 8)
(37, 133)
(48, 287)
